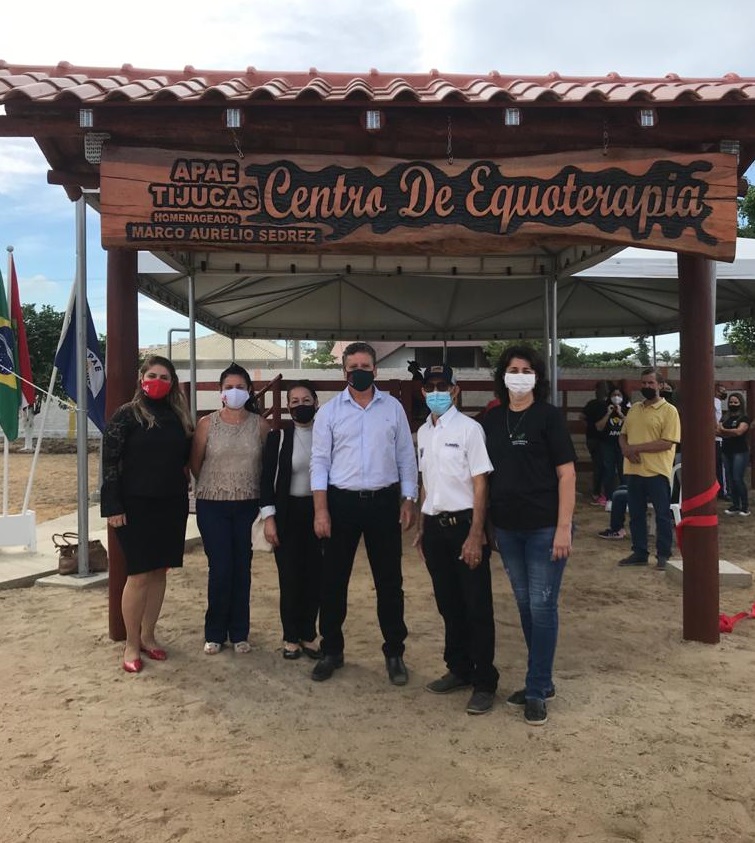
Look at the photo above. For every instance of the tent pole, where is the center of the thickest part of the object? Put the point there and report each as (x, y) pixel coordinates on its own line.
(655, 353)
(554, 340)
(546, 325)
(192, 349)
(82, 399)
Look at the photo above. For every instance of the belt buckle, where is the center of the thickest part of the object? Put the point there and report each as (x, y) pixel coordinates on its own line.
(445, 519)
(365, 493)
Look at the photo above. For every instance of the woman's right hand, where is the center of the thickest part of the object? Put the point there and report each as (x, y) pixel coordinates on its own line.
(117, 520)
(271, 532)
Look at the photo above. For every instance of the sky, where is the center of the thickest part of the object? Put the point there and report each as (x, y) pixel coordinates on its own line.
(574, 37)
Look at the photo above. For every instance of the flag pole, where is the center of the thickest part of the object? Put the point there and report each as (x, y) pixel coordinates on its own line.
(82, 399)
(48, 399)
(6, 447)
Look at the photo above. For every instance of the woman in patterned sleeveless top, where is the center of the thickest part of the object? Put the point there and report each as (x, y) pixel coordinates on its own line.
(226, 459)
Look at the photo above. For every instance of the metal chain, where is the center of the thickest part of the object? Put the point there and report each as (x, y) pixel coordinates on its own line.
(237, 143)
(450, 148)
(605, 137)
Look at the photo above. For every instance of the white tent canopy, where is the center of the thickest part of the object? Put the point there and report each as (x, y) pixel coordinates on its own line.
(630, 292)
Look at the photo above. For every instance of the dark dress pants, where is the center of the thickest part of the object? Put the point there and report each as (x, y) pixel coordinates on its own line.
(376, 517)
(299, 561)
(226, 530)
(465, 601)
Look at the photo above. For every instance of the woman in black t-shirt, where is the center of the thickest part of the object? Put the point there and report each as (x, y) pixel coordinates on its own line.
(532, 492)
(609, 426)
(733, 430)
(145, 450)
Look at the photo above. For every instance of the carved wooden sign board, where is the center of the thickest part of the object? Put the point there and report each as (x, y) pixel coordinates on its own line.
(167, 199)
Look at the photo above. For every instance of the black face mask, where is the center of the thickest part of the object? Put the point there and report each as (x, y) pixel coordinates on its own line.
(303, 413)
(722, 395)
(648, 393)
(735, 408)
(361, 380)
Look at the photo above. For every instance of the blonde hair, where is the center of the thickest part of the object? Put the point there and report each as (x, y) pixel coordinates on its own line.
(175, 397)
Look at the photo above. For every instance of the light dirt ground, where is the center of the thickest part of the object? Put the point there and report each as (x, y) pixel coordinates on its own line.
(649, 739)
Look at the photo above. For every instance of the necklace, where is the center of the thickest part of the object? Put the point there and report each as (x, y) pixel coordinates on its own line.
(512, 433)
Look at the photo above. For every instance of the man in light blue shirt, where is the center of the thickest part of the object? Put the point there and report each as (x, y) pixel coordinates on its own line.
(364, 483)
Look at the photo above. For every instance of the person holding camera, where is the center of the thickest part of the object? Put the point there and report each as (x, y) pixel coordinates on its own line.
(609, 426)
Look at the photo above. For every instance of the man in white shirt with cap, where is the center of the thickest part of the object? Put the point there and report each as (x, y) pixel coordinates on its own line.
(454, 464)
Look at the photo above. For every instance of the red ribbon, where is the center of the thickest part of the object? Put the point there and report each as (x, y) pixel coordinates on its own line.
(697, 520)
(727, 623)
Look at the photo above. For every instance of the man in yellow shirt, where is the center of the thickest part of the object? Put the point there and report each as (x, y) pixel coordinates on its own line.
(647, 440)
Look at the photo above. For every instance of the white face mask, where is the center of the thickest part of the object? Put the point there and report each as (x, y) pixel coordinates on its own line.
(519, 384)
(616, 399)
(235, 397)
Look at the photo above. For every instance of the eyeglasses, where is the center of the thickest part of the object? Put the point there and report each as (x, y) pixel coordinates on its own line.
(437, 386)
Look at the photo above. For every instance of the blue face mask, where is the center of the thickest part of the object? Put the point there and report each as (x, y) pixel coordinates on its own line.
(438, 402)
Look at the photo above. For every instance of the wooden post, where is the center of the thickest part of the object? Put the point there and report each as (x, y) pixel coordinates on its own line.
(700, 598)
(121, 371)
(750, 390)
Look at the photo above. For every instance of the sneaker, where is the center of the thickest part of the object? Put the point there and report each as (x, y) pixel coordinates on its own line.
(612, 534)
(518, 698)
(535, 713)
(480, 702)
(745, 512)
(599, 501)
(447, 683)
(660, 565)
(609, 506)
(732, 510)
(634, 559)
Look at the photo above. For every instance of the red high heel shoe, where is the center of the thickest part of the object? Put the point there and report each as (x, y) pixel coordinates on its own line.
(133, 667)
(158, 654)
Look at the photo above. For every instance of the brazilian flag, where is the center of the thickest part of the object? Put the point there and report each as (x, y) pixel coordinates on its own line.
(10, 394)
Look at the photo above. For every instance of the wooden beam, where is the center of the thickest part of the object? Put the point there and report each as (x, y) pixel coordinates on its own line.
(89, 181)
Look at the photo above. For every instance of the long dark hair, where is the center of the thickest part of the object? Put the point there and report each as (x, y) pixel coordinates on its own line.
(175, 397)
(537, 364)
(235, 369)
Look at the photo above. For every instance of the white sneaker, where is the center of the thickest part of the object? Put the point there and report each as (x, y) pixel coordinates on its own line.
(745, 513)
(212, 648)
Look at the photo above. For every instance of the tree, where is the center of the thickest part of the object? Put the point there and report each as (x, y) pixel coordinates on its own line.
(321, 356)
(642, 346)
(569, 356)
(741, 332)
(43, 329)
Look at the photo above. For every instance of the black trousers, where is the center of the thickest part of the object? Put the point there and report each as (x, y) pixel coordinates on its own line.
(465, 601)
(377, 519)
(299, 561)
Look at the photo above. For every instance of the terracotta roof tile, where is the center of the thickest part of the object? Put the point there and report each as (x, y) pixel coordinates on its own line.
(91, 85)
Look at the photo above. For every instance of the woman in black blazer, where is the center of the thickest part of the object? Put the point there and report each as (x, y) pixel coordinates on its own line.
(288, 512)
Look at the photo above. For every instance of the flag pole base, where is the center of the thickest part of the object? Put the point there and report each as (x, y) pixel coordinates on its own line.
(19, 530)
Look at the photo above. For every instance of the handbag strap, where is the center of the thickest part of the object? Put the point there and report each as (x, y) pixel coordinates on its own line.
(65, 539)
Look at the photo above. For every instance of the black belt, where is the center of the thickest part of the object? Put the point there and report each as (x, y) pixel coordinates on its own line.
(366, 494)
(451, 519)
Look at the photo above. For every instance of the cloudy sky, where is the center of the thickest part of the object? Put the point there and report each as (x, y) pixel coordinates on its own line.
(695, 38)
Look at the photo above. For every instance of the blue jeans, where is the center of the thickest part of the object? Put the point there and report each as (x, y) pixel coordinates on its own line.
(226, 530)
(618, 508)
(535, 580)
(736, 465)
(640, 492)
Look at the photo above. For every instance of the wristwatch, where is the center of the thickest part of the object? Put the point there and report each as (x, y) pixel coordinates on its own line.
(410, 498)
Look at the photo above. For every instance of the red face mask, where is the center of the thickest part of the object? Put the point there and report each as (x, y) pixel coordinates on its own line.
(156, 388)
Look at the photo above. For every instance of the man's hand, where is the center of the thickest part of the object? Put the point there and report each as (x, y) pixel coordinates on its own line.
(632, 454)
(408, 515)
(471, 550)
(322, 524)
(117, 520)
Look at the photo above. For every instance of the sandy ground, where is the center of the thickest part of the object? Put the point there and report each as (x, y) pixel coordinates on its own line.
(649, 739)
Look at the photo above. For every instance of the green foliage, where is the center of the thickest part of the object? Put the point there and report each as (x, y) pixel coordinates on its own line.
(321, 356)
(642, 349)
(43, 329)
(741, 334)
(569, 356)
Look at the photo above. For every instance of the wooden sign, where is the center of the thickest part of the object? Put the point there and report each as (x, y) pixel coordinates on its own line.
(153, 198)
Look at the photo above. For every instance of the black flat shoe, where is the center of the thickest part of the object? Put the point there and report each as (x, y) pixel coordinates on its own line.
(311, 653)
(291, 655)
(397, 672)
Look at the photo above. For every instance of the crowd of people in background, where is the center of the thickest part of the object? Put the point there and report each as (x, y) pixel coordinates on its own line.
(349, 471)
